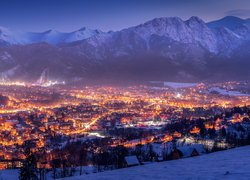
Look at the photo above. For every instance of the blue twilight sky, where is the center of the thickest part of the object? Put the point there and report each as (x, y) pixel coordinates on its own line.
(69, 15)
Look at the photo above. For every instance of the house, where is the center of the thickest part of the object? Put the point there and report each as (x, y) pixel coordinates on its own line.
(188, 151)
(132, 161)
(10, 164)
(176, 154)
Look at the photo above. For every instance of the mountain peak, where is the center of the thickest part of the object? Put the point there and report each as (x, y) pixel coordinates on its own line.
(168, 19)
(50, 31)
(4, 31)
(230, 22)
(194, 20)
(161, 20)
(3, 28)
(83, 29)
(232, 18)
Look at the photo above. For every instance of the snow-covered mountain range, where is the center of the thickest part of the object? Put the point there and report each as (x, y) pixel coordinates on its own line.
(50, 36)
(162, 48)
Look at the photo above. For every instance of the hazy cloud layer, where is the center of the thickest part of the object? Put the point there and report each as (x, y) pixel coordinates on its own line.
(239, 12)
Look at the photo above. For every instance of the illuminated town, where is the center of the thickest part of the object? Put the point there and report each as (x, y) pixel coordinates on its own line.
(55, 119)
(127, 90)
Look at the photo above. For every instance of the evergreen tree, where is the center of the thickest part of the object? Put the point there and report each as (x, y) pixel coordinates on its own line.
(28, 170)
(223, 132)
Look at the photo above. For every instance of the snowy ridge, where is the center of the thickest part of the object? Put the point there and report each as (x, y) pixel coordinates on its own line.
(50, 36)
(193, 30)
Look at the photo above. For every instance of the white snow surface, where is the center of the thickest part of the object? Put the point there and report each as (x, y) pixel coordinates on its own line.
(190, 31)
(231, 164)
(9, 174)
(177, 85)
(50, 36)
(227, 92)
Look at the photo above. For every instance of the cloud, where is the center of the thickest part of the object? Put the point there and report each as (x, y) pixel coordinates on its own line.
(239, 12)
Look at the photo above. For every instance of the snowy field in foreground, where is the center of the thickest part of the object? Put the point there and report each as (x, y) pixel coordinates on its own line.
(231, 164)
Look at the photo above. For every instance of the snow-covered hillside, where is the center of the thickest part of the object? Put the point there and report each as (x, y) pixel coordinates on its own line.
(230, 164)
